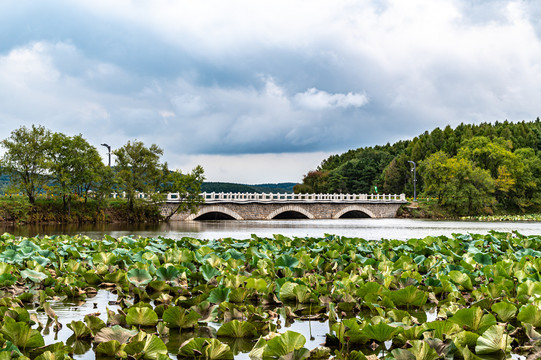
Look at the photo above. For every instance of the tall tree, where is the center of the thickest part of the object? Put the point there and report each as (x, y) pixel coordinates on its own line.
(139, 169)
(26, 158)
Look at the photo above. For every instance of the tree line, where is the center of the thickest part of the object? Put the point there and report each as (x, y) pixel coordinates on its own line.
(39, 160)
(471, 169)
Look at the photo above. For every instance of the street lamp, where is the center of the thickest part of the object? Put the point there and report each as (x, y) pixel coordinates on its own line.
(414, 179)
(109, 153)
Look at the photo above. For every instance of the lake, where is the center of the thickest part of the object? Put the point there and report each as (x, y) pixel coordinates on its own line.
(369, 229)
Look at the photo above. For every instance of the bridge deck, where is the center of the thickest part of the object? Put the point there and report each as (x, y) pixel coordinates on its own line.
(244, 198)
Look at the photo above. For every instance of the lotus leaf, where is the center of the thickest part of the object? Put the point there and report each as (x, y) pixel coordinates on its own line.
(381, 332)
(169, 273)
(108, 348)
(209, 272)
(530, 314)
(116, 333)
(219, 295)
(149, 347)
(237, 329)
(288, 344)
(139, 277)
(505, 311)
(35, 276)
(21, 335)
(141, 316)
(473, 319)
(211, 349)
(94, 323)
(179, 318)
(461, 278)
(80, 329)
(408, 296)
(494, 339)
(286, 261)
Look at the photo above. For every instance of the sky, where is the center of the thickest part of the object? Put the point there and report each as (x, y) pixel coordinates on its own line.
(263, 91)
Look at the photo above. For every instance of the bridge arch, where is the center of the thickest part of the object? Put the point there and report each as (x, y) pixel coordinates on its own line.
(294, 208)
(354, 208)
(217, 209)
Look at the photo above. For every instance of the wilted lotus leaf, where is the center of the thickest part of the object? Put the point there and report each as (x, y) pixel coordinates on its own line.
(117, 333)
(237, 329)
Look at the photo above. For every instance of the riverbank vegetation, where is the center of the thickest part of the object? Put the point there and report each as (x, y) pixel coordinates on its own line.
(58, 178)
(471, 170)
(464, 297)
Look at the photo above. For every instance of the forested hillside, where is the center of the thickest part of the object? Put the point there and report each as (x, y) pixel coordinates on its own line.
(243, 188)
(471, 169)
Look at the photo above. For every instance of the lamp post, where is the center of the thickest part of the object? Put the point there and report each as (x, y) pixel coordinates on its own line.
(109, 153)
(414, 179)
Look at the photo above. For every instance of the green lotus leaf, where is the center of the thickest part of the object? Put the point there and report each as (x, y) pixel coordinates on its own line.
(150, 347)
(461, 278)
(108, 348)
(209, 272)
(284, 344)
(381, 332)
(494, 339)
(442, 328)
(179, 318)
(287, 292)
(529, 288)
(237, 329)
(483, 259)
(18, 314)
(260, 285)
(92, 278)
(116, 333)
(94, 323)
(5, 268)
(80, 329)
(219, 295)
(115, 277)
(106, 258)
(139, 277)
(141, 316)
(407, 296)
(206, 310)
(35, 276)
(530, 314)
(211, 349)
(169, 273)
(420, 350)
(286, 261)
(505, 311)
(21, 335)
(473, 319)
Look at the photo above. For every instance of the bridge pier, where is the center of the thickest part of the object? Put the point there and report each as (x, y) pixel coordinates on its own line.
(265, 207)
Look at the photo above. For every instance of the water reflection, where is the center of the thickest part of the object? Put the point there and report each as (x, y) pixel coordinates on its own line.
(369, 229)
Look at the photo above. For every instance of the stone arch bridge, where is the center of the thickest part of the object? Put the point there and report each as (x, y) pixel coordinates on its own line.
(247, 206)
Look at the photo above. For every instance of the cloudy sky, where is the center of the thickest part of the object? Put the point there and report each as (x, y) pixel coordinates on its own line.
(262, 91)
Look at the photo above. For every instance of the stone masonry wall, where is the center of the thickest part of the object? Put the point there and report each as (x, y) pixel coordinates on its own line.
(259, 211)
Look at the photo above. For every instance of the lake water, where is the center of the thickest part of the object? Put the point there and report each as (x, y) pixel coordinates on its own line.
(369, 229)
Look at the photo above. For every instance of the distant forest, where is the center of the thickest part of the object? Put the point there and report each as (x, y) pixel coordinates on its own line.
(471, 169)
(243, 188)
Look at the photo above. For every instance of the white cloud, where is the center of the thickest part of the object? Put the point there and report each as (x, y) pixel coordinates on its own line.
(315, 99)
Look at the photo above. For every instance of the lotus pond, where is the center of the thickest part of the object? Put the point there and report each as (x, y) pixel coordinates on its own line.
(460, 297)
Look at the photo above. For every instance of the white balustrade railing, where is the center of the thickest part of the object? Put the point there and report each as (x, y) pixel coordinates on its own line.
(218, 197)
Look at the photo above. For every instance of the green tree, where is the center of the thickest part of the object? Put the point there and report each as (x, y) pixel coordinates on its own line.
(459, 185)
(139, 170)
(74, 165)
(26, 158)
